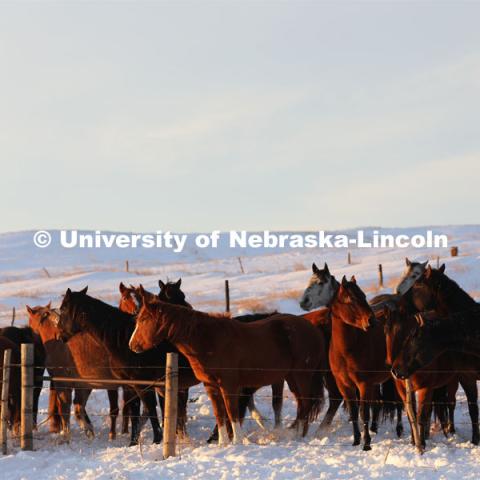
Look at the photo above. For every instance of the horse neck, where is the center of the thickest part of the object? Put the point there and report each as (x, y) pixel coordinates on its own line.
(453, 298)
(47, 332)
(342, 332)
(181, 326)
(108, 330)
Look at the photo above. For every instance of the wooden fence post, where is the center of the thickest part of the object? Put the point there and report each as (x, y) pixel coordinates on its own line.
(13, 316)
(227, 296)
(26, 425)
(7, 354)
(438, 262)
(171, 402)
(349, 258)
(454, 251)
(380, 275)
(241, 264)
(127, 267)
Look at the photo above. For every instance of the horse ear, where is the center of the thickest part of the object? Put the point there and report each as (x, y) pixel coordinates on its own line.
(179, 283)
(353, 279)
(29, 309)
(442, 268)
(424, 264)
(123, 289)
(84, 291)
(68, 293)
(428, 272)
(407, 262)
(142, 293)
(315, 269)
(344, 281)
(161, 284)
(325, 267)
(49, 305)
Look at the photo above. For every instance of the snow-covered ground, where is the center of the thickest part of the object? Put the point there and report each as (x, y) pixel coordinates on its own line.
(272, 279)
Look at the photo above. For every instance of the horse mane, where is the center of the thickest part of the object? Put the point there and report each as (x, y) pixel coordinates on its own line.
(453, 294)
(253, 317)
(109, 321)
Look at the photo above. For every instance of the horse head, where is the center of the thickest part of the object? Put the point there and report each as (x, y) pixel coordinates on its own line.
(128, 300)
(413, 271)
(421, 347)
(147, 332)
(320, 289)
(72, 314)
(351, 306)
(171, 292)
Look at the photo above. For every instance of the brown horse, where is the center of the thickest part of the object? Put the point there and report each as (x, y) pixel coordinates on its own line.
(60, 363)
(357, 354)
(14, 385)
(227, 355)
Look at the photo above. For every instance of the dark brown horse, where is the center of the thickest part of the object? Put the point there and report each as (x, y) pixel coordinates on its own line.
(85, 317)
(227, 355)
(19, 335)
(357, 354)
(427, 382)
(14, 384)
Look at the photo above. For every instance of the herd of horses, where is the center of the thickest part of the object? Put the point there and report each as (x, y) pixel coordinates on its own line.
(360, 351)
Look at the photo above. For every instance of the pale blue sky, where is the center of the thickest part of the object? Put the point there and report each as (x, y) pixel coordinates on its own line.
(195, 116)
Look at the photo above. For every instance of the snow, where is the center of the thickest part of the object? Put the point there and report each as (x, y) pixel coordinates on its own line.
(273, 279)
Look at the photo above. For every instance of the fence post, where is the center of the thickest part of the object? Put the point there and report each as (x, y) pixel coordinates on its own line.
(380, 275)
(13, 316)
(454, 251)
(241, 264)
(227, 296)
(171, 402)
(349, 258)
(26, 425)
(438, 262)
(127, 267)
(7, 354)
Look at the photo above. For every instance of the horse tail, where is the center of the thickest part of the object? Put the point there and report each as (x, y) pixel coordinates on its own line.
(317, 393)
(440, 404)
(389, 400)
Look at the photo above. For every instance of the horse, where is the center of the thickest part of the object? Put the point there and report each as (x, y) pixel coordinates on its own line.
(320, 292)
(110, 328)
(357, 354)
(59, 363)
(413, 271)
(14, 392)
(280, 347)
(171, 292)
(428, 382)
(19, 335)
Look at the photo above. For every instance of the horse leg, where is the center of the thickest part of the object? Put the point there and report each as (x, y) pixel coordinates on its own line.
(125, 412)
(277, 402)
(424, 412)
(230, 398)
(366, 395)
(376, 407)
(113, 402)
(182, 412)
(64, 401)
(134, 402)
(55, 419)
(334, 402)
(452, 388)
(220, 413)
(248, 400)
(150, 405)
(469, 385)
(79, 402)
(349, 393)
